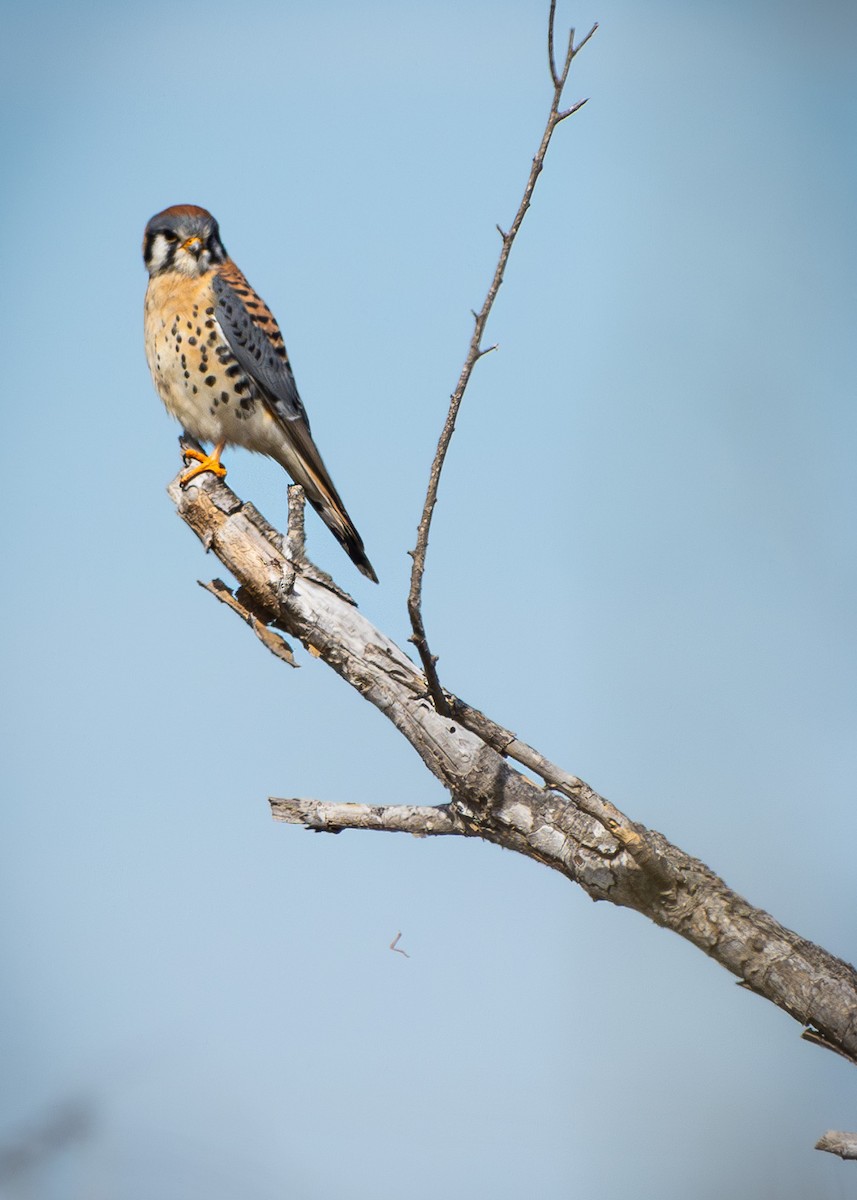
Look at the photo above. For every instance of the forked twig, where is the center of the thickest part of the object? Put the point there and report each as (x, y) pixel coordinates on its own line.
(394, 945)
(475, 352)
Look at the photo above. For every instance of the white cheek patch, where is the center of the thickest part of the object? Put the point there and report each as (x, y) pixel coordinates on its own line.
(163, 253)
(158, 252)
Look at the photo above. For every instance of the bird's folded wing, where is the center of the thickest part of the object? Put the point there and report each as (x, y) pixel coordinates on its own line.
(255, 340)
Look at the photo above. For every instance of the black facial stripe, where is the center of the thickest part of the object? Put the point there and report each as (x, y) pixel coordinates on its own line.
(212, 245)
(215, 249)
(171, 243)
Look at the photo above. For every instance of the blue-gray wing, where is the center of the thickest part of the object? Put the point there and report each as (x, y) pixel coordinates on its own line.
(255, 339)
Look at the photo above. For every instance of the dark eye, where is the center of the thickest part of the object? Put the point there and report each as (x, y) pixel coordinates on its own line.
(169, 237)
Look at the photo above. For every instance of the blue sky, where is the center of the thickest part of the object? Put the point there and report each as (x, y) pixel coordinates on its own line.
(643, 561)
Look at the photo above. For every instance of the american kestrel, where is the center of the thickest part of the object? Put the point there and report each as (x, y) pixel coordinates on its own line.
(220, 366)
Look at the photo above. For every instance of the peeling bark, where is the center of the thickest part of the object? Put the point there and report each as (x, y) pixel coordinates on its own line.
(843, 1144)
(564, 824)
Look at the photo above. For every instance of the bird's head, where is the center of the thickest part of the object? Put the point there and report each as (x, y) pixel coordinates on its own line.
(183, 238)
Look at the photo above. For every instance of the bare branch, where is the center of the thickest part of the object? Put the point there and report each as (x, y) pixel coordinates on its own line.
(506, 743)
(551, 56)
(569, 112)
(474, 353)
(272, 641)
(565, 825)
(569, 55)
(327, 817)
(580, 45)
(834, 1142)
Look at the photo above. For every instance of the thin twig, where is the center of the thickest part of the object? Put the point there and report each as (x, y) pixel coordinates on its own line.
(551, 57)
(569, 112)
(475, 352)
(394, 945)
(510, 746)
(577, 49)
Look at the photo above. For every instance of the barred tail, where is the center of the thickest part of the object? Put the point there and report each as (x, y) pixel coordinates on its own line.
(342, 527)
(300, 457)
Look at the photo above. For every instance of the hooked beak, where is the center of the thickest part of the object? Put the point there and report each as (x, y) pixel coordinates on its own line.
(193, 245)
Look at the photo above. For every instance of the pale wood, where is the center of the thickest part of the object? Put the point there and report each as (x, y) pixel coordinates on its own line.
(834, 1142)
(566, 825)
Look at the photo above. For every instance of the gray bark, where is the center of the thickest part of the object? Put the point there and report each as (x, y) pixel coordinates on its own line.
(843, 1144)
(564, 824)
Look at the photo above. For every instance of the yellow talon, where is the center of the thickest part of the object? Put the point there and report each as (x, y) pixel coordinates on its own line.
(205, 462)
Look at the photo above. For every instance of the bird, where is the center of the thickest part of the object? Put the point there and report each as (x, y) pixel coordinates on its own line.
(219, 364)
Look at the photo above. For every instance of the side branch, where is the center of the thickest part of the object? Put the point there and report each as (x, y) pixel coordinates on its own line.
(474, 353)
(326, 817)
